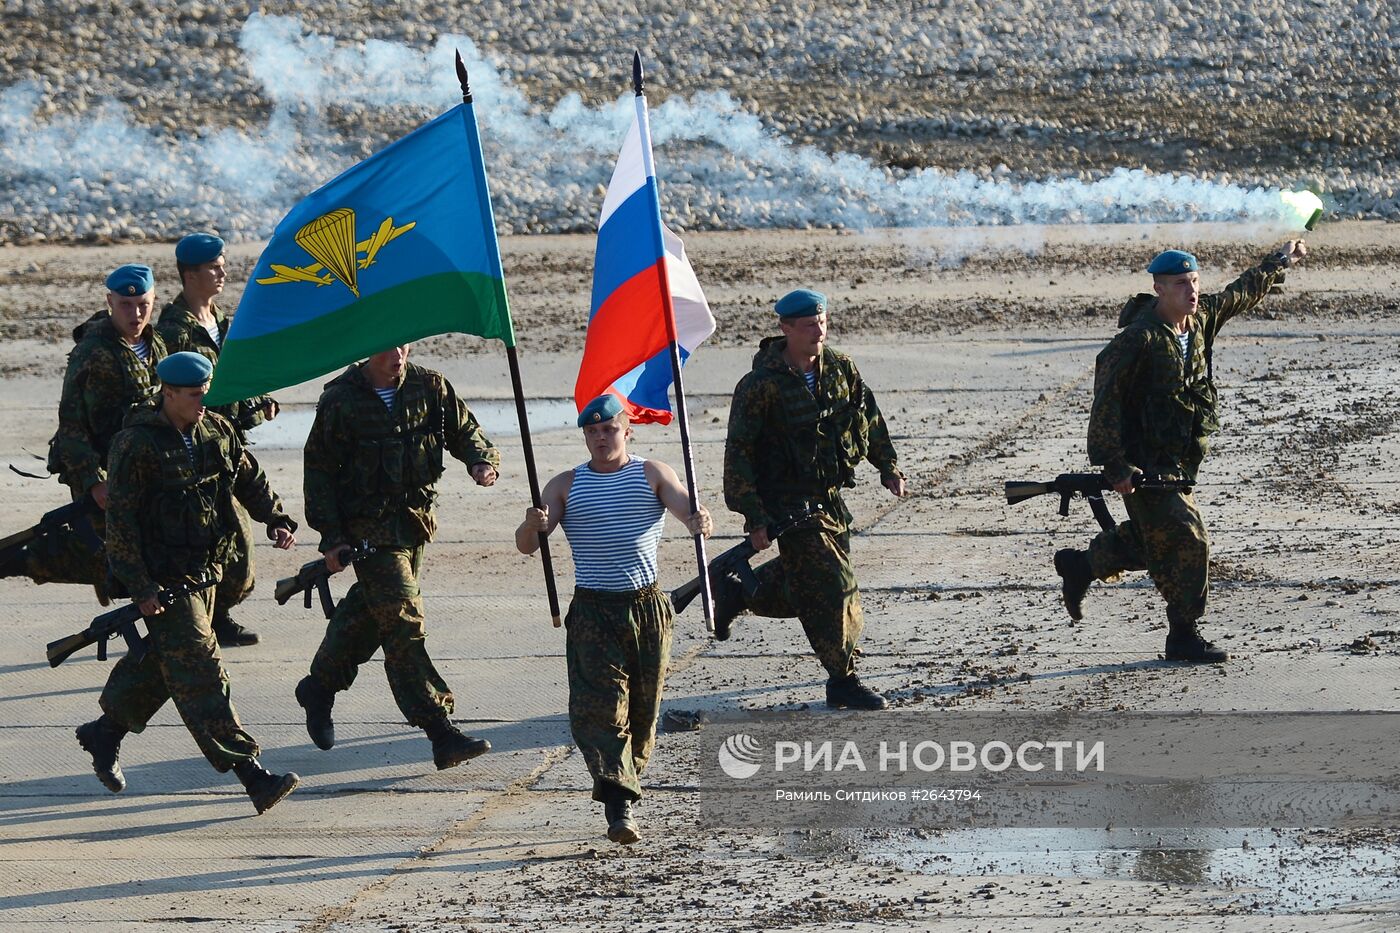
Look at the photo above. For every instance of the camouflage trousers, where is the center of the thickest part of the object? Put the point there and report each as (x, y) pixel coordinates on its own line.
(813, 579)
(617, 648)
(1165, 536)
(384, 609)
(182, 663)
(237, 581)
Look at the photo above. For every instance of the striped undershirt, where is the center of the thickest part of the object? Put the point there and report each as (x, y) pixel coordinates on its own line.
(142, 349)
(613, 522)
(387, 397)
(213, 331)
(811, 378)
(188, 438)
(1184, 338)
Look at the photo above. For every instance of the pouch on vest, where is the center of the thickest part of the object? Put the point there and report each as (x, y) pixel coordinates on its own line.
(391, 458)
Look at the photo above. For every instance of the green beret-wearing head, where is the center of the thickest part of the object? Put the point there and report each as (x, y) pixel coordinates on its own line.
(1173, 262)
(603, 408)
(801, 303)
(198, 248)
(131, 280)
(184, 369)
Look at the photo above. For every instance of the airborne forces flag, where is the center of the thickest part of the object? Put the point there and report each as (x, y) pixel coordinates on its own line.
(399, 247)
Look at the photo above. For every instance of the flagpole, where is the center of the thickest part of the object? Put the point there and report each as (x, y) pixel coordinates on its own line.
(644, 127)
(511, 357)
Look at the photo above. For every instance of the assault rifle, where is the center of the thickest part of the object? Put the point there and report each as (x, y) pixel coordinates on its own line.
(121, 621)
(1089, 485)
(736, 561)
(74, 516)
(314, 575)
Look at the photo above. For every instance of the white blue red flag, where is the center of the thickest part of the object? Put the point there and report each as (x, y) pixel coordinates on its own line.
(644, 292)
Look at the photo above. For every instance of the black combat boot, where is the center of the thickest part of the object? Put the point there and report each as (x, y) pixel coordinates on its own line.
(1073, 568)
(617, 810)
(728, 593)
(317, 701)
(849, 693)
(102, 739)
(264, 788)
(229, 633)
(1184, 643)
(451, 747)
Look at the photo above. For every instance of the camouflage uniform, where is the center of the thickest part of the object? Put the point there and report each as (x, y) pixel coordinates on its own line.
(617, 649)
(787, 449)
(1154, 411)
(171, 521)
(370, 476)
(181, 331)
(105, 380)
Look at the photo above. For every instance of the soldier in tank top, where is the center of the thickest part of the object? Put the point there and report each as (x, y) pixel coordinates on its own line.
(612, 509)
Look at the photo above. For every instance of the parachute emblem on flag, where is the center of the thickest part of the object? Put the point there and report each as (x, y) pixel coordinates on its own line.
(330, 239)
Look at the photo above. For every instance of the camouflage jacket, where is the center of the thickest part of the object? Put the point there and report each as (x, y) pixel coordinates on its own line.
(371, 475)
(181, 331)
(1154, 410)
(104, 380)
(787, 445)
(170, 513)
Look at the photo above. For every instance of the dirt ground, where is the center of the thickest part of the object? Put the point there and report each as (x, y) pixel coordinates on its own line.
(980, 348)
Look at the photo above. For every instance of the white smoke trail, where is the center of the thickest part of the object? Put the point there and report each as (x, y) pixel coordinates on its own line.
(720, 166)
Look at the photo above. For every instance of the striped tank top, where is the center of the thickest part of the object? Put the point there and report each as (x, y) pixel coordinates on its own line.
(613, 522)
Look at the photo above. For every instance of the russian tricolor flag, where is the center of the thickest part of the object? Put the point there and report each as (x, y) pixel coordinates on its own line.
(637, 263)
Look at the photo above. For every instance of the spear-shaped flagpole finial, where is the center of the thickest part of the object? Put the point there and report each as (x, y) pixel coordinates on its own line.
(637, 72)
(462, 79)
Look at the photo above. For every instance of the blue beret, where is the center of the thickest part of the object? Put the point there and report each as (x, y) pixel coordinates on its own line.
(131, 280)
(185, 368)
(198, 248)
(802, 303)
(1173, 262)
(603, 408)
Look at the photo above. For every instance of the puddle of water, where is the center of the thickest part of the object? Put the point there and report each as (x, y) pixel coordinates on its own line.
(497, 416)
(1269, 871)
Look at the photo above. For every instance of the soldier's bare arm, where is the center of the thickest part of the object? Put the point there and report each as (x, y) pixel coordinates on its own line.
(545, 519)
(676, 498)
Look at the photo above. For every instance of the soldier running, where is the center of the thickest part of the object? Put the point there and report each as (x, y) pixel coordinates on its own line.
(800, 424)
(175, 472)
(373, 460)
(194, 322)
(1154, 409)
(111, 369)
(619, 624)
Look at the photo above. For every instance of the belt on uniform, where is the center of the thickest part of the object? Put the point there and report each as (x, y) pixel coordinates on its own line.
(615, 597)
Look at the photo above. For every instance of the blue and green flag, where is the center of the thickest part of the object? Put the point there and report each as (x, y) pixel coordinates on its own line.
(399, 247)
